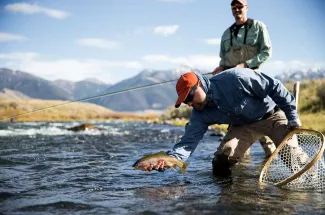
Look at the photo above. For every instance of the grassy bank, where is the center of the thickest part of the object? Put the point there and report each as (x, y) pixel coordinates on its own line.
(77, 111)
(314, 121)
(309, 121)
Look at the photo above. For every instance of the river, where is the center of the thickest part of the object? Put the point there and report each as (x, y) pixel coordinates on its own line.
(45, 169)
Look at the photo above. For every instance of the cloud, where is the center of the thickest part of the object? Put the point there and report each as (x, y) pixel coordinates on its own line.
(4, 37)
(142, 30)
(274, 68)
(70, 69)
(157, 58)
(114, 71)
(166, 30)
(209, 62)
(18, 56)
(197, 61)
(98, 43)
(213, 41)
(33, 9)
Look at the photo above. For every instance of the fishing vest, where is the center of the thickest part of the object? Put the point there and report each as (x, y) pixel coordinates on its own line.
(240, 53)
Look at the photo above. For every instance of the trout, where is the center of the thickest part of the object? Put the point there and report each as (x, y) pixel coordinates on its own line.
(172, 162)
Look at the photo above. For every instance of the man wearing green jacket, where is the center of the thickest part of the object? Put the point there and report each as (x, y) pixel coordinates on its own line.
(245, 44)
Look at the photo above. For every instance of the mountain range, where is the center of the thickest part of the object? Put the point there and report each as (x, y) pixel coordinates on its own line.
(134, 97)
(82, 89)
(149, 98)
(299, 75)
(32, 86)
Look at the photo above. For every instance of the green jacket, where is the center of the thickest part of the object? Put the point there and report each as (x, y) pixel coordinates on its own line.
(257, 35)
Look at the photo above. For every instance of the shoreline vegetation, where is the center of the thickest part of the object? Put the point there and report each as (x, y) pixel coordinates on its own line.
(311, 110)
(23, 110)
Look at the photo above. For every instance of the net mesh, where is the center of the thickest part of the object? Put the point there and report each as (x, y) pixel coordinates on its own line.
(298, 162)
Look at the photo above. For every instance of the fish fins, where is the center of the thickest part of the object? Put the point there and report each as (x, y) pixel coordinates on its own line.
(174, 167)
(183, 167)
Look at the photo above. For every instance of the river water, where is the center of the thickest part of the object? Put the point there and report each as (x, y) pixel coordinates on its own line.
(45, 169)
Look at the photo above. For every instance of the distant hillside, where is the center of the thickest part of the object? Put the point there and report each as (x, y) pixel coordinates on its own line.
(300, 75)
(82, 89)
(36, 87)
(6, 93)
(32, 86)
(155, 98)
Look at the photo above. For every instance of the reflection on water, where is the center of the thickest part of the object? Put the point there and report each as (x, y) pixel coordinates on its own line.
(169, 191)
(46, 169)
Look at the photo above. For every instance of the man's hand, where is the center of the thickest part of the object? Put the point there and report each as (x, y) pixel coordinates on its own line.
(294, 124)
(217, 70)
(243, 65)
(159, 167)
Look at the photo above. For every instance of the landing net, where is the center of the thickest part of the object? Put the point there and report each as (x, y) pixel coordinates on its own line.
(298, 163)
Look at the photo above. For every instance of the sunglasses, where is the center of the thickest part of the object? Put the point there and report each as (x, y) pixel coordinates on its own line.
(237, 7)
(190, 95)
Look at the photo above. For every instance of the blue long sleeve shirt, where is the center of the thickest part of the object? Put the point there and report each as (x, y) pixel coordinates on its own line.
(240, 96)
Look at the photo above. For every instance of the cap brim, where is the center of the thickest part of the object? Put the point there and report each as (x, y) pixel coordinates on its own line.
(182, 97)
(235, 1)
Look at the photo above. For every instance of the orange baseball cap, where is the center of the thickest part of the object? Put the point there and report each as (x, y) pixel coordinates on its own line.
(184, 85)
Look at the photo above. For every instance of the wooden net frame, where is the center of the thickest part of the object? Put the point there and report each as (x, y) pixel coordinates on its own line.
(298, 162)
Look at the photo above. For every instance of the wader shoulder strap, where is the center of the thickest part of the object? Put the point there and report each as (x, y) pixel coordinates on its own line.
(231, 29)
(248, 25)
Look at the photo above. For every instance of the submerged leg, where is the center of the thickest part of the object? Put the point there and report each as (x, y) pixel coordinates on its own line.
(233, 147)
(267, 145)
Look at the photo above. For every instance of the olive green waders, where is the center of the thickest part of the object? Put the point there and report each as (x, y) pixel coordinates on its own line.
(239, 138)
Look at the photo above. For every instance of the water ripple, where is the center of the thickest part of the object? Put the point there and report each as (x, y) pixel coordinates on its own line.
(46, 169)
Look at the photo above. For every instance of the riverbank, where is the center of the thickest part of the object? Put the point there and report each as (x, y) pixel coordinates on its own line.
(26, 110)
(314, 121)
(35, 110)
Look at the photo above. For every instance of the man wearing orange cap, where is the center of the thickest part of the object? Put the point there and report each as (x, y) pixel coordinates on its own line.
(245, 44)
(253, 103)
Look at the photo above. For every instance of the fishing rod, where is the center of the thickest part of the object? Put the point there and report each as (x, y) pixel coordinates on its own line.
(92, 97)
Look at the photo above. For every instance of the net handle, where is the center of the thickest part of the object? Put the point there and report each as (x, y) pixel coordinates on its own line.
(307, 167)
(296, 88)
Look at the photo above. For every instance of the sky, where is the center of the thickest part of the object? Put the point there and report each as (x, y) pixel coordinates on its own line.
(112, 40)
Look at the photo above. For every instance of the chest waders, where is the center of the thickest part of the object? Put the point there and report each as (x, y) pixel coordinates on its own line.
(240, 53)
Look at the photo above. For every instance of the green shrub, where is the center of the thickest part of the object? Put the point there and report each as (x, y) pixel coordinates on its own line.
(173, 113)
(321, 95)
(311, 95)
